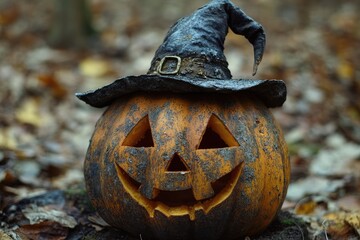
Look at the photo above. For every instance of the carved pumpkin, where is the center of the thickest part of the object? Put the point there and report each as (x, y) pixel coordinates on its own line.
(187, 166)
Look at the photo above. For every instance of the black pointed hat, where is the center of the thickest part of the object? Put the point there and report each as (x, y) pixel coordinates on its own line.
(191, 59)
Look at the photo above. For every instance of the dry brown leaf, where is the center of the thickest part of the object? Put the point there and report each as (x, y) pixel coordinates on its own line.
(306, 208)
(349, 202)
(7, 176)
(4, 236)
(9, 14)
(343, 225)
(341, 230)
(44, 230)
(51, 82)
(354, 220)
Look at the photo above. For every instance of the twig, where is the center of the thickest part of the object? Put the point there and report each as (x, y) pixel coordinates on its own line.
(302, 233)
(324, 227)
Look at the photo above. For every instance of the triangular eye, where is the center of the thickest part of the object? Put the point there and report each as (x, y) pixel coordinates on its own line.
(140, 135)
(217, 135)
(177, 164)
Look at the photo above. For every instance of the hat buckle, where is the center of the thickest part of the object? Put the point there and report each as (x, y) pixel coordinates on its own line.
(169, 59)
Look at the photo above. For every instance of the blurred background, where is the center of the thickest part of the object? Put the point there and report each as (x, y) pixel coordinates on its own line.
(49, 50)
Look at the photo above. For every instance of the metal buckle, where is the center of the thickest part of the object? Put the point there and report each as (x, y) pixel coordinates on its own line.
(178, 64)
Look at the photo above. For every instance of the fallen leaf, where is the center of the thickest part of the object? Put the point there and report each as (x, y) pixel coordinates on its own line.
(7, 138)
(9, 14)
(288, 205)
(29, 112)
(23, 192)
(97, 222)
(338, 159)
(349, 202)
(28, 171)
(313, 186)
(44, 230)
(41, 56)
(345, 70)
(305, 208)
(353, 218)
(94, 67)
(71, 177)
(51, 82)
(4, 236)
(343, 225)
(37, 215)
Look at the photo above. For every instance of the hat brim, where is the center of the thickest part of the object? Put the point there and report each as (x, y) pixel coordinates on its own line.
(271, 92)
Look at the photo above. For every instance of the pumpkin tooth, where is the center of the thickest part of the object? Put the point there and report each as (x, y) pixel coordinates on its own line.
(191, 213)
(148, 191)
(203, 191)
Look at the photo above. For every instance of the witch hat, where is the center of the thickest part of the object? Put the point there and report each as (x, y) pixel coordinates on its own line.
(191, 59)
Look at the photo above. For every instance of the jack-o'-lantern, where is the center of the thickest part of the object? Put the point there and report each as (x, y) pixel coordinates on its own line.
(185, 152)
(187, 166)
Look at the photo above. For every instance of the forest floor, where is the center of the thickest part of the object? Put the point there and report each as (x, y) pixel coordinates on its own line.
(44, 129)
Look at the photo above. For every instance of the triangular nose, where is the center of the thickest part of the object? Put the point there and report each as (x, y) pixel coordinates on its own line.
(177, 164)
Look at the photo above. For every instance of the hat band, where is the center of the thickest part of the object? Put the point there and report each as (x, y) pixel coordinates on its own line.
(192, 67)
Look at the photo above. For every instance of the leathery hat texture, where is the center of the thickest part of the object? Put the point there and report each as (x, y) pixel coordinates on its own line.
(191, 59)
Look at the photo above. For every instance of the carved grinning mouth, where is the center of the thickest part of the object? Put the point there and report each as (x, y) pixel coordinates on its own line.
(216, 137)
(183, 202)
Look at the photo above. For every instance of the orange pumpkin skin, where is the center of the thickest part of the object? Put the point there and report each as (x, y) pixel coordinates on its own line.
(151, 170)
